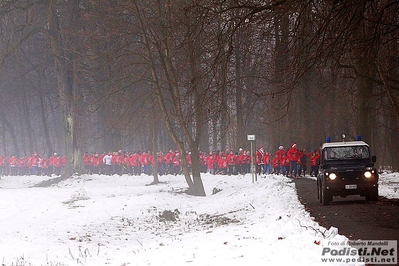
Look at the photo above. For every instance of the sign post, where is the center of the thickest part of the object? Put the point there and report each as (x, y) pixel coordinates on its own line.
(251, 139)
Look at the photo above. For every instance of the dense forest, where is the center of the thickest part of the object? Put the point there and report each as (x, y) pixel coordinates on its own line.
(100, 75)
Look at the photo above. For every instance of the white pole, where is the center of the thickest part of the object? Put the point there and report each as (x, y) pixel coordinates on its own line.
(252, 162)
(252, 139)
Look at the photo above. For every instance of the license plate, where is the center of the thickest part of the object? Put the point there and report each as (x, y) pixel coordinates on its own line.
(350, 186)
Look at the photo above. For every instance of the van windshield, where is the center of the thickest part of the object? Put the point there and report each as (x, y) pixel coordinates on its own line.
(346, 152)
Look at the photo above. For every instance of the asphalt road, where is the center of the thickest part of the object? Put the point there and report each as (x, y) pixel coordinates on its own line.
(354, 217)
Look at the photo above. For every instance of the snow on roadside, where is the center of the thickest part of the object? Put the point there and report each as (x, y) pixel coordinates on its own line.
(388, 185)
(120, 220)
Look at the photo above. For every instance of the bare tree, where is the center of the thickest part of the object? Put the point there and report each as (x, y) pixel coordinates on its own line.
(283, 70)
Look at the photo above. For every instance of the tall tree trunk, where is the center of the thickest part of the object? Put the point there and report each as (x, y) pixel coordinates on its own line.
(223, 106)
(69, 96)
(362, 53)
(11, 130)
(393, 130)
(364, 108)
(214, 133)
(240, 130)
(29, 130)
(69, 91)
(46, 132)
(22, 133)
(204, 141)
(281, 62)
(3, 135)
(155, 132)
(391, 113)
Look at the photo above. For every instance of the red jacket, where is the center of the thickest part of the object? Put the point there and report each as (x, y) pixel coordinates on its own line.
(144, 159)
(266, 158)
(259, 157)
(120, 159)
(247, 158)
(240, 158)
(169, 157)
(188, 159)
(202, 159)
(293, 154)
(285, 161)
(222, 162)
(231, 159)
(3, 161)
(176, 161)
(44, 163)
(101, 157)
(211, 161)
(13, 161)
(22, 162)
(33, 161)
(126, 160)
(313, 159)
(280, 154)
(275, 162)
(134, 159)
(150, 159)
(161, 158)
(56, 161)
(87, 159)
(63, 160)
(96, 161)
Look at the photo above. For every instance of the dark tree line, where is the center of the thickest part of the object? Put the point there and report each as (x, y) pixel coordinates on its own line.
(80, 75)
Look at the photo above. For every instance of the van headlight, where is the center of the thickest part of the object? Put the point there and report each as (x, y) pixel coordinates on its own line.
(367, 174)
(332, 176)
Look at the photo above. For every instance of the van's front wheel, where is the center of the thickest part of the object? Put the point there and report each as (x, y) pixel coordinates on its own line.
(372, 195)
(326, 198)
(318, 190)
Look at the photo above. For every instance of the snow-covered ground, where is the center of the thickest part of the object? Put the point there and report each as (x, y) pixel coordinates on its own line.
(121, 220)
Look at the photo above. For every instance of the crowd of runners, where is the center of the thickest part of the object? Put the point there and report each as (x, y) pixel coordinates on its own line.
(292, 162)
(32, 165)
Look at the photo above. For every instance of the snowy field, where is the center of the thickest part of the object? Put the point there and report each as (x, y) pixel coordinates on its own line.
(121, 220)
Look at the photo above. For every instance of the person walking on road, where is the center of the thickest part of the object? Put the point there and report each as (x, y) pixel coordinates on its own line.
(293, 156)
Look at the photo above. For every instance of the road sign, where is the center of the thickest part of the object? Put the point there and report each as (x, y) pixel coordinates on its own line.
(251, 137)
